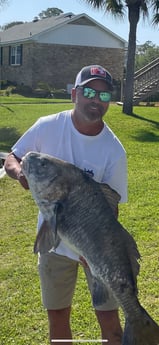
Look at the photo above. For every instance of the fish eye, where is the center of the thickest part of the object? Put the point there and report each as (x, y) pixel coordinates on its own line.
(43, 163)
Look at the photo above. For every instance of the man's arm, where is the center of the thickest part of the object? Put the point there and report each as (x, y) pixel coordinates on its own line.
(13, 169)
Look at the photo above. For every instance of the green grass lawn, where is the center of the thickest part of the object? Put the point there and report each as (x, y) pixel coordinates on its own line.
(23, 319)
(19, 99)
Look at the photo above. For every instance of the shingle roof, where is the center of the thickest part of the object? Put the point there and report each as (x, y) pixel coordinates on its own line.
(29, 30)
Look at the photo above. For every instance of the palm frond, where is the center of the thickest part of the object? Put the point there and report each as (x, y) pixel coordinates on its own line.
(96, 3)
(155, 5)
(116, 7)
(155, 19)
(144, 9)
(155, 11)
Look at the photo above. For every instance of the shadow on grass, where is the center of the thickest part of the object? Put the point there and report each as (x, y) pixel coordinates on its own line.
(8, 137)
(145, 135)
(5, 106)
(156, 123)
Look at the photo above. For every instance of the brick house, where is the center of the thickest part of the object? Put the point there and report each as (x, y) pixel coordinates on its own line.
(52, 50)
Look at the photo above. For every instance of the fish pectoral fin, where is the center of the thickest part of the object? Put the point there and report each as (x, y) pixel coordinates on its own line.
(100, 293)
(47, 237)
(53, 226)
(53, 222)
(44, 239)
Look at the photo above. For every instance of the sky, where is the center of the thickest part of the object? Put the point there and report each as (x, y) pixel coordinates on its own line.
(19, 10)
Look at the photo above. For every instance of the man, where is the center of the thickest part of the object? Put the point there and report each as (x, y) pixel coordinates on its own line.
(81, 137)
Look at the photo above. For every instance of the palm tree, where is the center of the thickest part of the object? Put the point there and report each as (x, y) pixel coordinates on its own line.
(134, 8)
(3, 2)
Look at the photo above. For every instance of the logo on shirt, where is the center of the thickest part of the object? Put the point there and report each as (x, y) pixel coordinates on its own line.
(90, 173)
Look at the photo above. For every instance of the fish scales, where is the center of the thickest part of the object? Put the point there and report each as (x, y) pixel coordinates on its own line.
(81, 212)
(81, 222)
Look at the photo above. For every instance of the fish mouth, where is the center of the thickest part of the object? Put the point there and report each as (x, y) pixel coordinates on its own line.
(26, 163)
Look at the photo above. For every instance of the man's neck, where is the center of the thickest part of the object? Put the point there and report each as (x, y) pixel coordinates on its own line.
(87, 128)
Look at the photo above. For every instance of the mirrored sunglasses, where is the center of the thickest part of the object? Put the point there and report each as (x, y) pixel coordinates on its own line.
(90, 93)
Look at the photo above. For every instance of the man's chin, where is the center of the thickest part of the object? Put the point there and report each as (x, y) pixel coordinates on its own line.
(94, 116)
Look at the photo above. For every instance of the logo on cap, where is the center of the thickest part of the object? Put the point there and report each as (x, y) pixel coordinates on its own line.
(98, 71)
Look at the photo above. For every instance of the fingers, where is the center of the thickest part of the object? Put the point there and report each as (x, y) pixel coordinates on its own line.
(22, 180)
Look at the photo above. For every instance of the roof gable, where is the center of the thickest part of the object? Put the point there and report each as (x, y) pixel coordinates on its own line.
(29, 31)
(82, 20)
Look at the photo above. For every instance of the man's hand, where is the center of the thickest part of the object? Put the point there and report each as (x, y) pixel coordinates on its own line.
(83, 262)
(13, 169)
(22, 180)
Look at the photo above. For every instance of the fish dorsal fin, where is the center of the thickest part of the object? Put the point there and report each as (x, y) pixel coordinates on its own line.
(111, 195)
(113, 199)
(133, 254)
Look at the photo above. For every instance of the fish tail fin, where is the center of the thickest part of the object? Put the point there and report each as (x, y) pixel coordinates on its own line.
(141, 331)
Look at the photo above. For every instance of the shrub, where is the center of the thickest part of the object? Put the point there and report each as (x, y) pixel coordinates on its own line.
(23, 90)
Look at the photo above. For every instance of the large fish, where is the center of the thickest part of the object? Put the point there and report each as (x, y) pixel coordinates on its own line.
(3, 156)
(81, 212)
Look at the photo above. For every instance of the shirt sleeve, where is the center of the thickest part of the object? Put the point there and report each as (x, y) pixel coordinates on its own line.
(29, 141)
(118, 178)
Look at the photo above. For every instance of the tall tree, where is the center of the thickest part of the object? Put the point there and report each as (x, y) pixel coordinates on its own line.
(3, 2)
(145, 53)
(134, 8)
(51, 11)
(9, 25)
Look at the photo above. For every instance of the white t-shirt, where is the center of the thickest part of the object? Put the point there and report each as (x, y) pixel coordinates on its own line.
(102, 155)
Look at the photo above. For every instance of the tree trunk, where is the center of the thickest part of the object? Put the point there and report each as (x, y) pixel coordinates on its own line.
(133, 13)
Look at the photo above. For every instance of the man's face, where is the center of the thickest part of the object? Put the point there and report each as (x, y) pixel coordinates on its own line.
(88, 103)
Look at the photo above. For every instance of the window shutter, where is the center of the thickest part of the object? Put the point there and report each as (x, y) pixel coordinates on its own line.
(1, 62)
(21, 54)
(9, 55)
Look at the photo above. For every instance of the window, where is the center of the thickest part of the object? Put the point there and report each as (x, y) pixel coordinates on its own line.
(15, 55)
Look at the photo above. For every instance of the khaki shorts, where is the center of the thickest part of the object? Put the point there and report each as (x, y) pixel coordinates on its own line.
(58, 275)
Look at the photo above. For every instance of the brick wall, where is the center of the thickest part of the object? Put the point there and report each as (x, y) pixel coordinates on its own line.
(19, 74)
(58, 65)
